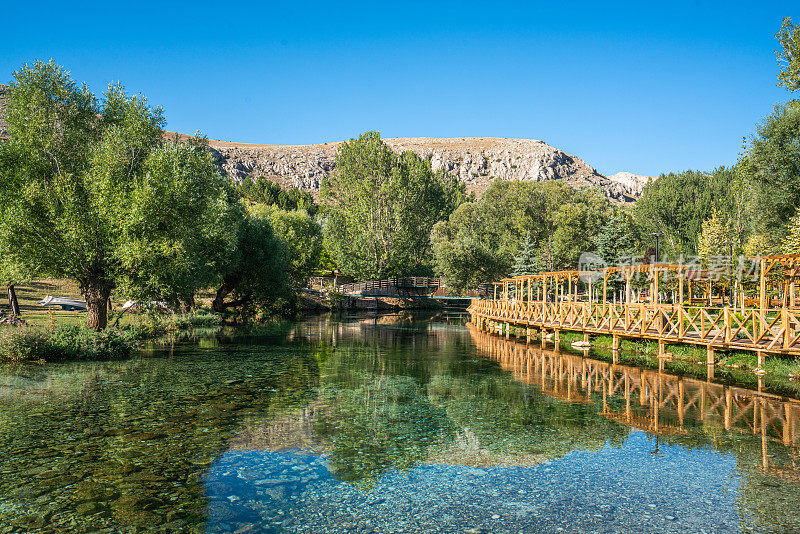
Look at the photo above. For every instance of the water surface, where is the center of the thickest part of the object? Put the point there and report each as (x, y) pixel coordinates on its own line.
(388, 424)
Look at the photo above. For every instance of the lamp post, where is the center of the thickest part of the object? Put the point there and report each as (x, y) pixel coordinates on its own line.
(656, 235)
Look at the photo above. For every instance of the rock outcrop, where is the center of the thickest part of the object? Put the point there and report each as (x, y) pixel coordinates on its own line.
(631, 184)
(476, 161)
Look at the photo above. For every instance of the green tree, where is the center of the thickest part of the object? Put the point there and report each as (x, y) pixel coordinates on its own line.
(381, 208)
(758, 245)
(526, 262)
(481, 239)
(791, 244)
(263, 191)
(91, 192)
(302, 235)
(715, 237)
(256, 274)
(773, 162)
(789, 55)
(619, 241)
(676, 205)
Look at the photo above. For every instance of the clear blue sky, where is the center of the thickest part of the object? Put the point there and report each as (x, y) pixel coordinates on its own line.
(636, 86)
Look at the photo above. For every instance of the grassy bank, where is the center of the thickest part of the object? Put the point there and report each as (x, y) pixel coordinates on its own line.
(71, 341)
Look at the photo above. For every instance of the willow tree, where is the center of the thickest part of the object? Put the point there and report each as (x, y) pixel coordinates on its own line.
(381, 207)
(91, 192)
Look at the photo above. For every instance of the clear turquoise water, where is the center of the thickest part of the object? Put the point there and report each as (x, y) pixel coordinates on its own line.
(387, 424)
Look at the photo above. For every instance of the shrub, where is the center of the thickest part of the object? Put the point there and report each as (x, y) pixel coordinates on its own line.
(65, 342)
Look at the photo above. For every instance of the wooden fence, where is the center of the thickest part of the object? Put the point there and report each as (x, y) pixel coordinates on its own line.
(774, 330)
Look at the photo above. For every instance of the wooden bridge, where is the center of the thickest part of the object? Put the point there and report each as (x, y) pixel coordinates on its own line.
(401, 287)
(654, 402)
(532, 306)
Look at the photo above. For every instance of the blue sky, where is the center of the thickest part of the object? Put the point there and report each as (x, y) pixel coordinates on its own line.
(641, 87)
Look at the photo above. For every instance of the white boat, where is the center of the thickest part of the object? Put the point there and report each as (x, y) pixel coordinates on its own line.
(66, 303)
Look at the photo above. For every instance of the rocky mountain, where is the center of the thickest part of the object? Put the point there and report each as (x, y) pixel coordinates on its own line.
(476, 161)
(631, 184)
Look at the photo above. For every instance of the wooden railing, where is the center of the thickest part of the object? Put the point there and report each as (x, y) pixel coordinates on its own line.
(373, 287)
(772, 330)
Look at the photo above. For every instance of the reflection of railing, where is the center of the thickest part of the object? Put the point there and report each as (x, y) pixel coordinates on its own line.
(655, 402)
(770, 330)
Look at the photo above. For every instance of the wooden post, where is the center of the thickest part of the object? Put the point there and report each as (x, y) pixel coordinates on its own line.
(586, 337)
(680, 285)
(760, 354)
(628, 277)
(615, 343)
(656, 298)
(762, 295)
(508, 330)
(787, 328)
(709, 355)
(728, 322)
(728, 407)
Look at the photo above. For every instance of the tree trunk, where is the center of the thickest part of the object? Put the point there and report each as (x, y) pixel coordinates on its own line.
(12, 300)
(96, 295)
(186, 304)
(229, 284)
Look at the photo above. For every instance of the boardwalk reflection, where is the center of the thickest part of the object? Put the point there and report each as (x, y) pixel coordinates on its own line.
(656, 402)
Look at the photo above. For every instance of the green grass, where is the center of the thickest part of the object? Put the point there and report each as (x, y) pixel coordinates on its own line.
(57, 335)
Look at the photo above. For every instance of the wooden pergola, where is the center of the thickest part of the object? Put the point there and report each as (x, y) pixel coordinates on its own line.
(777, 273)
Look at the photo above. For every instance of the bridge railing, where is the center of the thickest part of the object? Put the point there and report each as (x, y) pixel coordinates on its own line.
(772, 330)
(391, 285)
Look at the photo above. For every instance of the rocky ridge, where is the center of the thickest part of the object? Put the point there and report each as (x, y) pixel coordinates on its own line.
(632, 184)
(476, 161)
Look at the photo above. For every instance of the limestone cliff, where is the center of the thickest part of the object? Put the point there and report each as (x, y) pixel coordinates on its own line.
(631, 184)
(476, 161)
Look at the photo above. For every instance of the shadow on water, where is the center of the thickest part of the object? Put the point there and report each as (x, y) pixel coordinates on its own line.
(387, 422)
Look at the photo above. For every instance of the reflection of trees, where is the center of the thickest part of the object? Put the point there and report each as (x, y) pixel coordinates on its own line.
(421, 400)
(385, 422)
(510, 419)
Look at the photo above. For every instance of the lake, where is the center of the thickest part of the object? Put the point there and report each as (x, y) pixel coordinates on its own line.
(388, 424)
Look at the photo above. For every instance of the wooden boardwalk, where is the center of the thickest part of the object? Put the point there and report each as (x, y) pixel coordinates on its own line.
(749, 329)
